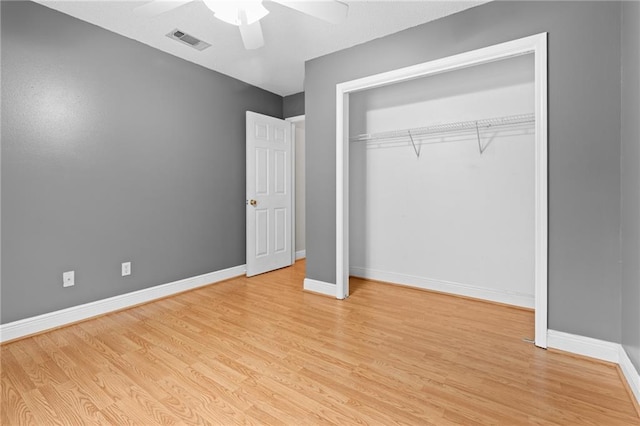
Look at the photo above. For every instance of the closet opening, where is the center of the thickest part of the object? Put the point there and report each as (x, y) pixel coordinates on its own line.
(442, 177)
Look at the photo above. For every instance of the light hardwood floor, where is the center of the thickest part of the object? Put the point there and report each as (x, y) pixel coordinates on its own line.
(261, 351)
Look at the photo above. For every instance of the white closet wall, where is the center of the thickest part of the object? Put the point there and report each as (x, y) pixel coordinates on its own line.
(453, 219)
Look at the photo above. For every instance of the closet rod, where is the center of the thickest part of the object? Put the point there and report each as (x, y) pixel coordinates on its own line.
(475, 125)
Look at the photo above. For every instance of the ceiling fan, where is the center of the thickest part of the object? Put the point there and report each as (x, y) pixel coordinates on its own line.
(246, 14)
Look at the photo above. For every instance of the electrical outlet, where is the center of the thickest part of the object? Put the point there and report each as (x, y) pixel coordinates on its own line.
(68, 278)
(126, 269)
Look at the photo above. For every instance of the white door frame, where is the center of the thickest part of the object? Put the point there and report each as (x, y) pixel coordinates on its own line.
(293, 120)
(536, 45)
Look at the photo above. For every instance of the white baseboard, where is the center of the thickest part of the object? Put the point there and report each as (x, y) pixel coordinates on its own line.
(301, 254)
(630, 373)
(40, 323)
(586, 346)
(500, 296)
(598, 349)
(320, 287)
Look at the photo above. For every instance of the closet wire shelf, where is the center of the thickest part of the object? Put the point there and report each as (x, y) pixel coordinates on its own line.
(417, 133)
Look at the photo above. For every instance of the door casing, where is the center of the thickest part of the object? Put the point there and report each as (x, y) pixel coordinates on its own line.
(293, 121)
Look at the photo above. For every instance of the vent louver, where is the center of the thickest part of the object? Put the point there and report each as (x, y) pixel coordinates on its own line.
(187, 39)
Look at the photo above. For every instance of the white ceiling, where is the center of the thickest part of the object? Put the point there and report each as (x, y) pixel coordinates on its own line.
(291, 38)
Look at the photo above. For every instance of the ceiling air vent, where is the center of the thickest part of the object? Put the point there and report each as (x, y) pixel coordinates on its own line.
(187, 39)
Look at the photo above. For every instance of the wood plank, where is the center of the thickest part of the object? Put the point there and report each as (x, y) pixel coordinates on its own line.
(261, 351)
(14, 409)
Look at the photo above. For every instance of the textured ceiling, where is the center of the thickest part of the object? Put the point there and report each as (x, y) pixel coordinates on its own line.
(291, 38)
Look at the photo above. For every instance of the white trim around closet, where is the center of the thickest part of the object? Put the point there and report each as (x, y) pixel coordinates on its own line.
(536, 45)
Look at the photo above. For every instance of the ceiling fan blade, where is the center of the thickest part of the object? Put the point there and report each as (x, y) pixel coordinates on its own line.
(157, 7)
(328, 10)
(252, 35)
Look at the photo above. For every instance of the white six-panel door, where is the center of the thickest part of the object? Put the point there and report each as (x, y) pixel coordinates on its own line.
(269, 193)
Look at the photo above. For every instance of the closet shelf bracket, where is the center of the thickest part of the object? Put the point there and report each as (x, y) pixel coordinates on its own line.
(416, 149)
(480, 148)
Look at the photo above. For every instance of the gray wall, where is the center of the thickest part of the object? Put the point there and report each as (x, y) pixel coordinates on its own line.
(630, 181)
(113, 151)
(584, 141)
(293, 105)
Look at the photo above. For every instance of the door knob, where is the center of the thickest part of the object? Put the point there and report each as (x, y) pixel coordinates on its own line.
(253, 203)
